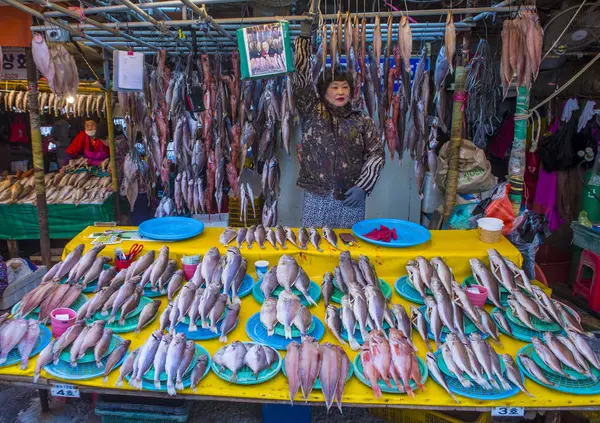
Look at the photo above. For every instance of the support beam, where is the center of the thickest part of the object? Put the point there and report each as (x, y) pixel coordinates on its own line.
(115, 31)
(38, 159)
(71, 29)
(111, 135)
(209, 20)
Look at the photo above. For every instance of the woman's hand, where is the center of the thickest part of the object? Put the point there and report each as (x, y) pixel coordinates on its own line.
(354, 197)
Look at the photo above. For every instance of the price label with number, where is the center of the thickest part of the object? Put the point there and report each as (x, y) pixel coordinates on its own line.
(508, 411)
(64, 390)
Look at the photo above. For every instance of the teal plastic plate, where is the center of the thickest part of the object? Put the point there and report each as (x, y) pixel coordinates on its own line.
(130, 322)
(87, 370)
(537, 323)
(405, 289)
(519, 332)
(44, 338)
(561, 384)
(386, 289)
(538, 360)
(394, 390)
(245, 376)
(318, 381)
(313, 290)
(442, 365)
(36, 312)
(65, 355)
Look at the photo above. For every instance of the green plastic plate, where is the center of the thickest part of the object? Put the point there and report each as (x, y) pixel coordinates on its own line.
(89, 354)
(318, 381)
(519, 332)
(245, 376)
(560, 383)
(36, 312)
(394, 390)
(130, 322)
(336, 295)
(313, 290)
(538, 360)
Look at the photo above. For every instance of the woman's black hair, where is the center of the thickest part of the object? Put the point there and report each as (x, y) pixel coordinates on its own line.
(102, 129)
(339, 74)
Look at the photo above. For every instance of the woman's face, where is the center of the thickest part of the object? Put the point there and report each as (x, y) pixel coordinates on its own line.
(338, 93)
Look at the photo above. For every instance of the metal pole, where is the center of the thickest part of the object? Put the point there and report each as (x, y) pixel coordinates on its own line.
(76, 45)
(111, 136)
(38, 158)
(161, 26)
(209, 20)
(100, 25)
(71, 29)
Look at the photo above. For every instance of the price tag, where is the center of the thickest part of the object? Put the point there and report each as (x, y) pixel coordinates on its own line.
(64, 390)
(508, 411)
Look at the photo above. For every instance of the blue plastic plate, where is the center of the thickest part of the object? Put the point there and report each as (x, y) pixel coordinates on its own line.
(202, 334)
(409, 234)
(257, 332)
(171, 228)
(44, 338)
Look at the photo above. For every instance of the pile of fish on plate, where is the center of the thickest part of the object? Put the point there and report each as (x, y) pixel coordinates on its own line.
(174, 356)
(85, 105)
(287, 311)
(522, 40)
(474, 361)
(306, 362)
(525, 300)
(61, 188)
(82, 163)
(57, 65)
(18, 333)
(559, 353)
(288, 274)
(278, 235)
(363, 303)
(394, 359)
(449, 304)
(51, 293)
(238, 355)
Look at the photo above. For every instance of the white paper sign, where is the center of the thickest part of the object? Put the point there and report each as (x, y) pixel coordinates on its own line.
(128, 71)
(64, 390)
(508, 411)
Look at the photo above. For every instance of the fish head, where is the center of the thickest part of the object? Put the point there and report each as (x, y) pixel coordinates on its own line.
(430, 301)
(396, 334)
(475, 337)
(327, 278)
(166, 339)
(346, 301)
(139, 290)
(548, 337)
(345, 256)
(234, 251)
(506, 358)
(203, 359)
(536, 341)
(414, 311)
(100, 323)
(157, 334)
(126, 343)
(451, 338)
(179, 338)
(108, 332)
(331, 311)
(234, 307)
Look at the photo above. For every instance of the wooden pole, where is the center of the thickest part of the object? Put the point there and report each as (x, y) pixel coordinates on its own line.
(456, 131)
(38, 158)
(111, 136)
(516, 163)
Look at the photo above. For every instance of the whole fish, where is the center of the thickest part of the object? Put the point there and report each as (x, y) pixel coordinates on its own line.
(217, 311)
(241, 237)
(268, 315)
(164, 317)
(501, 321)
(520, 312)
(232, 264)
(309, 364)
(256, 359)
(497, 368)
(450, 40)
(43, 359)
(166, 276)
(376, 304)
(186, 361)
(584, 348)
(368, 365)
(76, 346)
(480, 348)
(115, 357)
(417, 318)
(250, 236)
(303, 238)
(124, 294)
(444, 303)
(160, 359)
(489, 325)
(548, 357)
(435, 322)
(209, 263)
(261, 236)
(270, 236)
(141, 264)
(198, 371)
(291, 363)
(437, 373)
(269, 282)
(405, 41)
(102, 346)
(315, 239)
(514, 374)
(443, 272)
(131, 304)
(159, 266)
(330, 236)
(500, 270)
(329, 372)
(127, 367)
(569, 321)
(334, 322)
(562, 352)
(288, 305)
(145, 358)
(86, 262)
(403, 323)
(106, 276)
(349, 322)
(287, 272)
(327, 288)
(581, 360)
(333, 46)
(92, 337)
(280, 236)
(28, 341)
(174, 357)
(302, 284)
(302, 320)
(377, 45)
(534, 369)
(148, 314)
(230, 321)
(485, 278)
(233, 358)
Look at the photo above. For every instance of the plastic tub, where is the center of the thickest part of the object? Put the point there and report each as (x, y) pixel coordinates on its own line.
(189, 270)
(490, 229)
(477, 298)
(59, 326)
(261, 267)
(122, 264)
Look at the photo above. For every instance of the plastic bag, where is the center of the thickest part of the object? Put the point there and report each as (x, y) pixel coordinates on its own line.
(501, 208)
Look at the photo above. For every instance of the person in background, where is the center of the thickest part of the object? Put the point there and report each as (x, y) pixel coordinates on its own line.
(88, 145)
(341, 153)
(60, 138)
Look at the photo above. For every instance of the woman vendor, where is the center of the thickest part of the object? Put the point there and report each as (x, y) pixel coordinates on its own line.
(341, 154)
(86, 144)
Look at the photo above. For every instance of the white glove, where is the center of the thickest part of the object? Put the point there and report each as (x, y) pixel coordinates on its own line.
(570, 107)
(586, 115)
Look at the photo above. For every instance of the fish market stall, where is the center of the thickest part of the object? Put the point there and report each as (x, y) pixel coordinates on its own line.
(460, 251)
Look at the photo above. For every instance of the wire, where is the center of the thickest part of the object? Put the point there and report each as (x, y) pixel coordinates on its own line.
(564, 30)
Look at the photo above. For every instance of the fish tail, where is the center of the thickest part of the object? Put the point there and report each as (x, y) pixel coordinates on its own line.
(270, 332)
(288, 332)
(104, 380)
(213, 329)
(157, 384)
(111, 319)
(526, 392)
(204, 324)
(192, 327)
(386, 380)
(119, 382)
(36, 377)
(310, 299)
(355, 346)
(99, 364)
(494, 384)
(179, 385)
(223, 339)
(122, 321)
(171, 389)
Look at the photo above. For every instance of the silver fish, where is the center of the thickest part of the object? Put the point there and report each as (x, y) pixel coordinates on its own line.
(584, 348)
(327, 288)
(414, 276)
(186, 361)
(349, 322)
(425, 269)
(145, 358)
(497, 369)
(164, 317)
(159, 266)
(434, 320)
(261, 235)
(315, 239)
(256, 359)
(561, 352)
(270, 236)
(480, 348)
(250, 236)
(269, 282)
(288, 305)
(173, 360)
(287, 271)
(534, 369)
(453, 367)
(548, 357)
(198, 371)
(209, 298)
(217, 311)
(520, 312)
(76, 346)
(361, 313)
(303, 238)
(501, 320)
(581, 360)
(302, 284)
(443, 272)
(417, 318)
(303, 320)
(376, 304)
(209, 263)
(147, 314)
(228, 235)
(291, 237)
(27, 343)
(437, 373)
(280, 236)
(500, 270)
(334, 322)
(102, 346)
(444, 304)
(43, 359)
(160, 359)
(115, 357)
(241, 236)
(330, 236)
(230, 321)
(268, 315)
(484, 277)
(233, 358)
(514, 374)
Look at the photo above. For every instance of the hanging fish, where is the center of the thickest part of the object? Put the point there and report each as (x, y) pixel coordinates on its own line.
(450, 40)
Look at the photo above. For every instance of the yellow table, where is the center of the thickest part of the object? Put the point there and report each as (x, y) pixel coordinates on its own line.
(456, 247)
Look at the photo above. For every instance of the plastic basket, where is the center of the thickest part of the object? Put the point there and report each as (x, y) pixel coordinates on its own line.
(586, 238)
(125, 409)
(400, 415)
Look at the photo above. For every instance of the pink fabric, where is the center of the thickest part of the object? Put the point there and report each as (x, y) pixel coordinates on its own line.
(501, 142)
(545, 199)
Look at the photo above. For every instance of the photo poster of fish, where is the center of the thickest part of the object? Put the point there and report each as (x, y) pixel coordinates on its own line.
(265, 50)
